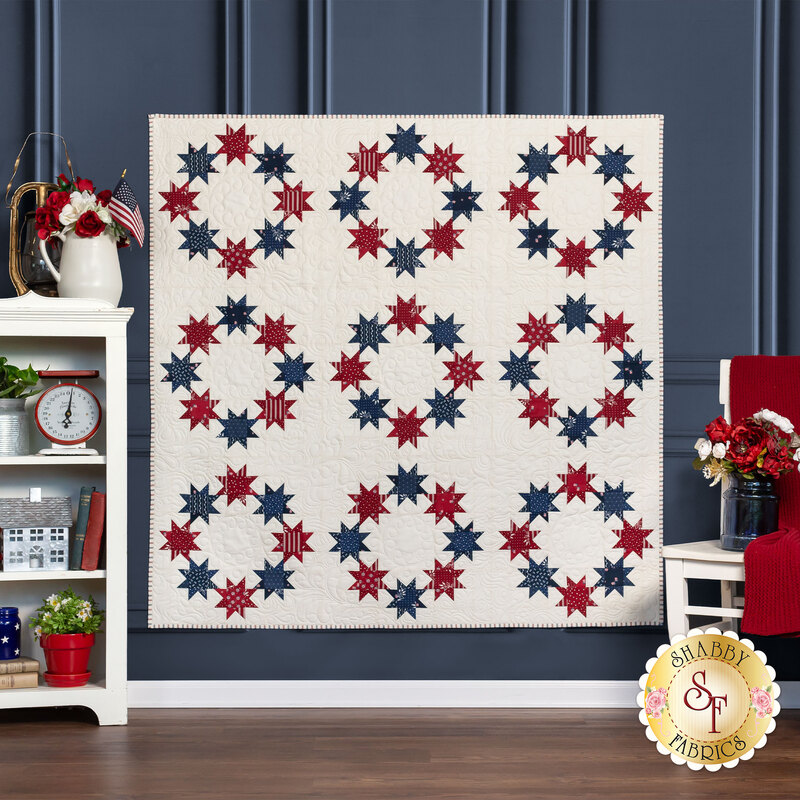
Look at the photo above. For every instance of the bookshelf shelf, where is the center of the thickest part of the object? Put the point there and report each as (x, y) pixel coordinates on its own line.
(53, 575)
(62, 334)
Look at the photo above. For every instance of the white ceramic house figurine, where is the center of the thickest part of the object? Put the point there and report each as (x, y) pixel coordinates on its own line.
(35, 532)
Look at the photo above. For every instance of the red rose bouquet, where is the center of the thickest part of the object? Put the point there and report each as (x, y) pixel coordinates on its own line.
(764, 445)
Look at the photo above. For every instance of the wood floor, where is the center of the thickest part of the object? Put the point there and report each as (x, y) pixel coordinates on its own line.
(379, 755)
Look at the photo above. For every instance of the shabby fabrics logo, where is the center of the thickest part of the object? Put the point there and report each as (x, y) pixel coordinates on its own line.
(708, 699)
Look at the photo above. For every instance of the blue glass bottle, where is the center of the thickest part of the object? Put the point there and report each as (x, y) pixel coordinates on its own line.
(9, 633)
(750, 510)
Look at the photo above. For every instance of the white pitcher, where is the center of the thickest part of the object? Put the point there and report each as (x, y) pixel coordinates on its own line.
(89, 267)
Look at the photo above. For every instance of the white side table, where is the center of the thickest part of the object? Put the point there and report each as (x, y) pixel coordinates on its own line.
(707, 561)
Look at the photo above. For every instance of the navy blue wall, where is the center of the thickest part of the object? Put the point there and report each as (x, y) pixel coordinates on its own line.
(714, 68)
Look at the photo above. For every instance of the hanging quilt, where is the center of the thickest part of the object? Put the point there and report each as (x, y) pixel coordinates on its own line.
(406, 371)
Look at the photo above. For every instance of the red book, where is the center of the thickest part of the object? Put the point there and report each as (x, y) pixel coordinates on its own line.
(94, 531)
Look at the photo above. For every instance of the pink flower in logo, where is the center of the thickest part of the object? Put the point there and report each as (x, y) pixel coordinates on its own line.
(761, 701)
(655, 702)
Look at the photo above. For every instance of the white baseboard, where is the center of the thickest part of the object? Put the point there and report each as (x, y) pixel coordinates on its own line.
(397, 694)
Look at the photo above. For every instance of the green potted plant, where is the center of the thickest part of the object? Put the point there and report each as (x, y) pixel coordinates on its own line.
(65, 625)
(15, 386)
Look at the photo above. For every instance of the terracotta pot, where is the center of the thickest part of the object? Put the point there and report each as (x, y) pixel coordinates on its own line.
(67, 658)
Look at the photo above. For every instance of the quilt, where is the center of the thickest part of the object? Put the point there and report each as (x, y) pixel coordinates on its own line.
(405, 371)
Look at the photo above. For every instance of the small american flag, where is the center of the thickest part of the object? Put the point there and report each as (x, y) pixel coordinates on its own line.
(125, 210)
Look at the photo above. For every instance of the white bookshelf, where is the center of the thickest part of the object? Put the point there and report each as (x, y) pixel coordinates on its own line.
(57, 334)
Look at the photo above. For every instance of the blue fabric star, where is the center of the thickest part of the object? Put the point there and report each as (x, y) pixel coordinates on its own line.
(614, 164)
(462, 201)
(198, 239)
(613, 502)
(274, 239)
(406, 598)
(444, 407)
(349, 201)
(613, 239)
(197, 163)
(538, 163)
(407, 485)
(197, 579)
(199, 503)
(274, 580)
(632, 370)
(350, 542)
(537, 238)
(519, 370)
(576, 313)
(463, 541)
(237, 429)
(274, 163)
(368, 333)
(614, 576)
(539, 502)
(405, 144)
(369, 409)
(405, 258)
(274, 503)
(444, 333)
(577, 426)
(293, 371)
(537, 577)
(236, 315)
(180, 372)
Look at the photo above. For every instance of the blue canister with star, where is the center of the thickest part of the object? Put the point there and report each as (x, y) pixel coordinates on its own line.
(9, 633)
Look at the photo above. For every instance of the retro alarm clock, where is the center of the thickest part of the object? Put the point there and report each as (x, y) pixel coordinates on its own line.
(68, 414)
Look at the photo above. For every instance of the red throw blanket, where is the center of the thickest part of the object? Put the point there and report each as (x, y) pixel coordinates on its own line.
(772, 562)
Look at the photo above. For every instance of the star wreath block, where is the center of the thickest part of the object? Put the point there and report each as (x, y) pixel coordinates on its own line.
(462, 370)
(199, 409)
(405, 143)
(274, 580)
(235, 598)
(538, 408)
(519, 200)
(444, 579)
(613, 576)
(179, 201)
(350, 542)
(443, 238)
(519, 540)
(367, 238)
(236, 485)
(576, 257)
(576, 483)
(406, 314)
(199, 334)
(633, 539)
(614, 407)
(537, 333)
(235, 144)
(274, 333)
(406, 598)
(180, 540)
(350, 371)
(632, 201)
(576, 596)
(274, 503)
(197, 579)
(407, 427)
(293, 542)
(369, 504)
(576, 145)
(293, 201)
(197, 163)
(236, 257)
(273, 163)
(613, 332)
(538, 163)
(445, 503)
(368, 580)
(537, 578)
(275, 409)
(198, 503)
(443, 162)
(368, 162)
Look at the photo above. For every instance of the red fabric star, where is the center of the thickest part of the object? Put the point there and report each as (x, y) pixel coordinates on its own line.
(576, 596)
(368, 162)
(199, 334)
(180, 540)
(519, 540)
(180, 201)
(235, 144)
(236, 257)
(275, 409)
(614, 407)
(538, 407)
(519, 200)
(369, 579)
(369, 504)
(274, 333)
(406, 314)
(350, 371)
(613, 332)
(367, 238)
(632, 201)
(576, 483)
(445, 503)
(236, 598)
(462, 370)
(199, 409)
(293, 542)
(633, 539)
(576, 257)
(293, 200)
(443, 238)
(444, 579)
(537, 333)
(236, 485)
(407, 427)
(576, 146)
(443, 163)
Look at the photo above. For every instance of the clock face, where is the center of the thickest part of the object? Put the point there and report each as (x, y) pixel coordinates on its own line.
(68, 414)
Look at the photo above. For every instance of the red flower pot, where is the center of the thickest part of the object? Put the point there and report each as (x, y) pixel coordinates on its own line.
(67, 658)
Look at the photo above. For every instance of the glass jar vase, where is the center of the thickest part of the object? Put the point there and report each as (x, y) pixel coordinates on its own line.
(750, 510)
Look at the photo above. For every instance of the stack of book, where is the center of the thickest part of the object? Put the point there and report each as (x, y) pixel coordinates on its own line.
(19, 673)
(85, 553)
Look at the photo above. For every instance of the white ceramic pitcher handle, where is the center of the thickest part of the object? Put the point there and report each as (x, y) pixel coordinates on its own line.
(43, 250)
